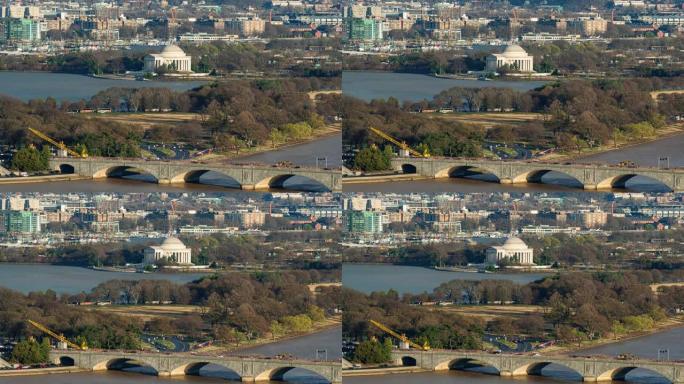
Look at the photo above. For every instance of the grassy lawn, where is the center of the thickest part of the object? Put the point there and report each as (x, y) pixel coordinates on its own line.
(148, 312)
(147, 120)
(489, 119)
(490, 312)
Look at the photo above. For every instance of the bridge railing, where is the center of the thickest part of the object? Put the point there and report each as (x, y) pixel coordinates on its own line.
(537, 161)
(197, 162)
(191, 354)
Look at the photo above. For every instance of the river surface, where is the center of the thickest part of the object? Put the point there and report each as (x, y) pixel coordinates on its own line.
(69, 87)
(369, 85)
(303, 347)
(63, 279)
(368, 278)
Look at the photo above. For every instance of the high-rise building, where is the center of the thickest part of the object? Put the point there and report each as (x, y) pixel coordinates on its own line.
(365, 29)
(363, 222)
(20, 30)
(22, 222)
(246, 219)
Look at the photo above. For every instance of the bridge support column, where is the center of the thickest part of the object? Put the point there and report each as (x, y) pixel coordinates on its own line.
(590, 379)
(248, 379)
(164, 374)
(248, 187)
(505, 180)
(590, 187)
(164, 181)
(506, 374)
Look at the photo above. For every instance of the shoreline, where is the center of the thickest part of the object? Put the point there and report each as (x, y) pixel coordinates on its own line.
(41, 371)
(325, 325)
(664, 326)
(620, 147)
(330, 132)
(384, 178)
(381, 371)
(43, 179)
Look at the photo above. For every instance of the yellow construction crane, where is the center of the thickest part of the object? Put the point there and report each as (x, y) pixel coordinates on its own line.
(401, 144)
(61, 338)
(405, 340)
(60, 145)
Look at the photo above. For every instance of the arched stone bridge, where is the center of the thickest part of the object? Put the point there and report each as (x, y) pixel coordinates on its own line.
(592, 176)
(591, 369)
(249, 369)
(250, 177)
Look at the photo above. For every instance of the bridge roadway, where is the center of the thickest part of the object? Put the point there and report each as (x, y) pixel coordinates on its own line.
(249, 176)
(250, 369)
(591, 369)
(592, 176)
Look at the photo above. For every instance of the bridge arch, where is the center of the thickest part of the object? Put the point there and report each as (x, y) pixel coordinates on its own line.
(409, 361)
(408, 168)
(466, 171)
(121, 170)
(620, 373)
(278, 374)
(536, 175)
(121, 363)
(278, 182)
(535, 369)
(65, 168)
(193, 369)
(193, 176)
(64, 361)
(620, 181)
(466, 363)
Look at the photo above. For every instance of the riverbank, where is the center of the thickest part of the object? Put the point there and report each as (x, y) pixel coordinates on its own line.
(380, 371)
(42, 179)
(328, 131)
(665, 325)
(383, 178)
(40, 371)
(663, 134)
(321, 326)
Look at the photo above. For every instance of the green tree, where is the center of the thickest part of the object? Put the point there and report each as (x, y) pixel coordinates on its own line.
(372, 159)
(31, 352)
(29, 159)
(316, 313)
(298, 323)
(373, 352)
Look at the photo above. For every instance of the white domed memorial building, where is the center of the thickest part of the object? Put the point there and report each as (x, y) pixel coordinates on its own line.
(514, 251)
(171, 57)
(171, 249)
(513, 57)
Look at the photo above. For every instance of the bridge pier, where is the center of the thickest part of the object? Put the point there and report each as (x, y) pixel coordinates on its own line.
(505, 180)
(248, 379)
(248, 187)
(590, 187)
(163, 181)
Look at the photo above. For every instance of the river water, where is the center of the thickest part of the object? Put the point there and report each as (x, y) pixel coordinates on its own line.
(62, 86)
(369, 85)
(64, 279)
(368, 278)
